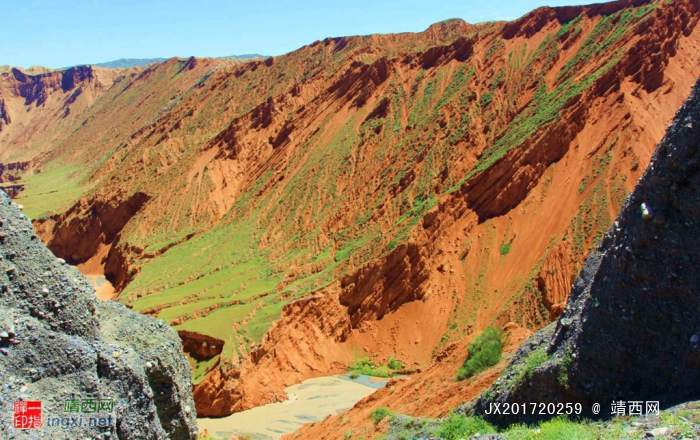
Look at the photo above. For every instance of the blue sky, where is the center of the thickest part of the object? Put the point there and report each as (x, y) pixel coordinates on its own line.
(56, 34)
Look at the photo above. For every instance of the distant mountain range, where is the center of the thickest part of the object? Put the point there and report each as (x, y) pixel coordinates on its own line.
(247, 56)
(126, 63)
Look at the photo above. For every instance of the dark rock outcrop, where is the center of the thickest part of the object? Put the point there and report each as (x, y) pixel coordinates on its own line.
(11, 172)
(199, 346)
(4, 114)
(75, 75)
(631, 328)
(58, 342)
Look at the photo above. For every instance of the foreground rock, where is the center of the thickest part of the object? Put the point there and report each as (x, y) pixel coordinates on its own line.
(58, 343)
(630, 329)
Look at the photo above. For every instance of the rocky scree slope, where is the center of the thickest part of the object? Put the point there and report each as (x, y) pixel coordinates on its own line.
(58, 342)
(631, 328)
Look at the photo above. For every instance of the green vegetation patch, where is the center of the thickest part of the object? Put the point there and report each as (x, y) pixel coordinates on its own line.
(563, 373)
(493, 50)
(556, 429)
(458, 426)
(608, 31)
(505, 248)
(566, 27)
(52, 190)
(546, 107)
(682, 423)
(484, 352)
(380, 414)
(527, 367)
(368, 367)
(200, 368)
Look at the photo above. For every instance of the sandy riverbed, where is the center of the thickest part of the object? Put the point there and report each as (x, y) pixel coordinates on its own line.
(309, 401)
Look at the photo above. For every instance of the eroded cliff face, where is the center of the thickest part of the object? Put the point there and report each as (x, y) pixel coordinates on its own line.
(90, 231)
(630, 328)
(11, 171)
(319, 333)
(388, 195)
(58, 342)
(35, 106)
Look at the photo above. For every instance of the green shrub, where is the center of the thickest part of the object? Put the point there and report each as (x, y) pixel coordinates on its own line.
(394, 364)
(380, 414)
(368, 367)
(458, 426)
(484, 352)
(505, 248)
(533, 360)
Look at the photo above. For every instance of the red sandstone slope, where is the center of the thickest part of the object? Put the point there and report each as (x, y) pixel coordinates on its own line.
(539, 200)
(389, 195)
(434, 392)
(34, 106)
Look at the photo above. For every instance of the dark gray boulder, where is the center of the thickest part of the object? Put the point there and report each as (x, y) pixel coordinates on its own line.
(631, 328)
(58, 343)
